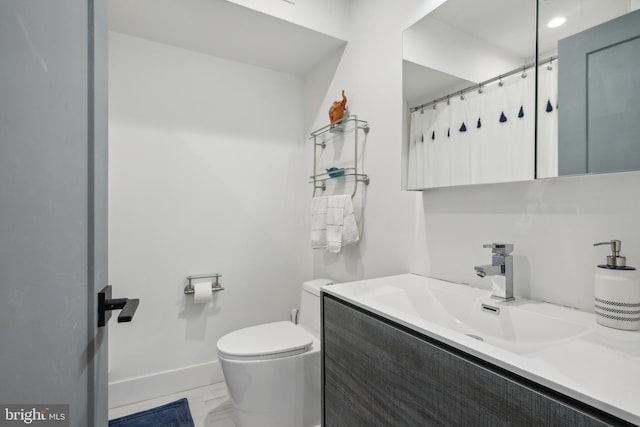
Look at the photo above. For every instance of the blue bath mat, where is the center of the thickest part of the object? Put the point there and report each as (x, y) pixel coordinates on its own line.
(174, 414)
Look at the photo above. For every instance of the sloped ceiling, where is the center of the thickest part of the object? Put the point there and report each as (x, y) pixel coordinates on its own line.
(226, 30)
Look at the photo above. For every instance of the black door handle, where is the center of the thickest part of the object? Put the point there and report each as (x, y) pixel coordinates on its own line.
(106, 304)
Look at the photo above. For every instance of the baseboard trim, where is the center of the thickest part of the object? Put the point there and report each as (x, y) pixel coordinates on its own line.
(132, 390)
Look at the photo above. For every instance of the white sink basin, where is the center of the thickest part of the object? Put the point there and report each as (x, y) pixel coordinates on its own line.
(520, 326)
(559, 347)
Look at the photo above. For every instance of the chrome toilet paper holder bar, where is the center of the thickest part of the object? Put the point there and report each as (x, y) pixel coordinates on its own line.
(215, 285)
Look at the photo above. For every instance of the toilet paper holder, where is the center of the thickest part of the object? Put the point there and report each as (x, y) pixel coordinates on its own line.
(215, 285)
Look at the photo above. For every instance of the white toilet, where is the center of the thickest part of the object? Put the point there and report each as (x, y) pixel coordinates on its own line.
(272, 370)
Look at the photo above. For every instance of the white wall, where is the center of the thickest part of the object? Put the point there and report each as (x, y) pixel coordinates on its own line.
(440, 232)
(205, 157)
(370, 72)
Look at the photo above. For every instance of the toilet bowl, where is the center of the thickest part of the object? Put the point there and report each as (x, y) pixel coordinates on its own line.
(272, 370)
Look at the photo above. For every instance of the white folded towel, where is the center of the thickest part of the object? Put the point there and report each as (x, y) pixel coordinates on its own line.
(319, 222)
(350, 233)
(341, 223)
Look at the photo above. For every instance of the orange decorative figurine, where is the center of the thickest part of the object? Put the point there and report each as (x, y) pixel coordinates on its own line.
(336, 112)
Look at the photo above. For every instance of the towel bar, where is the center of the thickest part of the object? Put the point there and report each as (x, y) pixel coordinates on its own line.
(215, 285)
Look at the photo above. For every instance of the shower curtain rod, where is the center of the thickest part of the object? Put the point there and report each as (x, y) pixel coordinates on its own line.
(484, 83)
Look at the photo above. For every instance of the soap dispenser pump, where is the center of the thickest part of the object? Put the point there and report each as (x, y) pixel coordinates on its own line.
(617, 291)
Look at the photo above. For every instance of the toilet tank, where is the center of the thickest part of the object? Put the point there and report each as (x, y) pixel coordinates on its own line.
(310, 305)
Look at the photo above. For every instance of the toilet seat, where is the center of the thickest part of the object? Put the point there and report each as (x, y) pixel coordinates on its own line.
(266, 341)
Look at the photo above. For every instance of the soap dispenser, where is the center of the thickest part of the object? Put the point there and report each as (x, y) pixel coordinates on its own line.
(617, 291)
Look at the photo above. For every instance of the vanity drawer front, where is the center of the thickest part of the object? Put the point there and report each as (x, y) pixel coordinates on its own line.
(376, 373)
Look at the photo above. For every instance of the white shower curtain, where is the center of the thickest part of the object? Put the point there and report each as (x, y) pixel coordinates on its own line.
(464, 141)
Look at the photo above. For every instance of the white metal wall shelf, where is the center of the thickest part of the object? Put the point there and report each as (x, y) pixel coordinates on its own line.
(319, 179)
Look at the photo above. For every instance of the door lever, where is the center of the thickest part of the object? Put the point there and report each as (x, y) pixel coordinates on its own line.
(106, 304)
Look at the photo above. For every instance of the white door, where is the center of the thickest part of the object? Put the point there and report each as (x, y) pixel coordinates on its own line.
(53, 224)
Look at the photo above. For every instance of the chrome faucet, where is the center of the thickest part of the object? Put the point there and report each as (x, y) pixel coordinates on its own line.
(501, 265)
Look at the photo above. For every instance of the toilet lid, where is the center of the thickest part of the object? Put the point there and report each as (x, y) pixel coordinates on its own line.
(265, 341)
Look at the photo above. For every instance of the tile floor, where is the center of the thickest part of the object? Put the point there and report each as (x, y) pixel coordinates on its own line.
(209, 405)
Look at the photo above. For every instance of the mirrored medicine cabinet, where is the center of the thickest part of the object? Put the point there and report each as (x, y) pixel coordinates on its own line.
(514, 90)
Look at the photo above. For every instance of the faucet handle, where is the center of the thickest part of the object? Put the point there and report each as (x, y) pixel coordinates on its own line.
(499, 248)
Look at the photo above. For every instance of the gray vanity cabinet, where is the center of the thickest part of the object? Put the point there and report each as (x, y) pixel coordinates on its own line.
(377, 373)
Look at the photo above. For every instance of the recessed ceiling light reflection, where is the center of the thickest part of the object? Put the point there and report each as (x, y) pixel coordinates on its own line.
(557, 21)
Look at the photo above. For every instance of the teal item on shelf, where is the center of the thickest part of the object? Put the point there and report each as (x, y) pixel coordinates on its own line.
(335, 172)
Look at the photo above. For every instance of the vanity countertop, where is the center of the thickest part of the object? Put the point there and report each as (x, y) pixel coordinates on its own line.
(594, 364)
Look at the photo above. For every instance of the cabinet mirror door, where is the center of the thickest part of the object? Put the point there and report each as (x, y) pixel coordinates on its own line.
(589, 87)
(483, 106)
